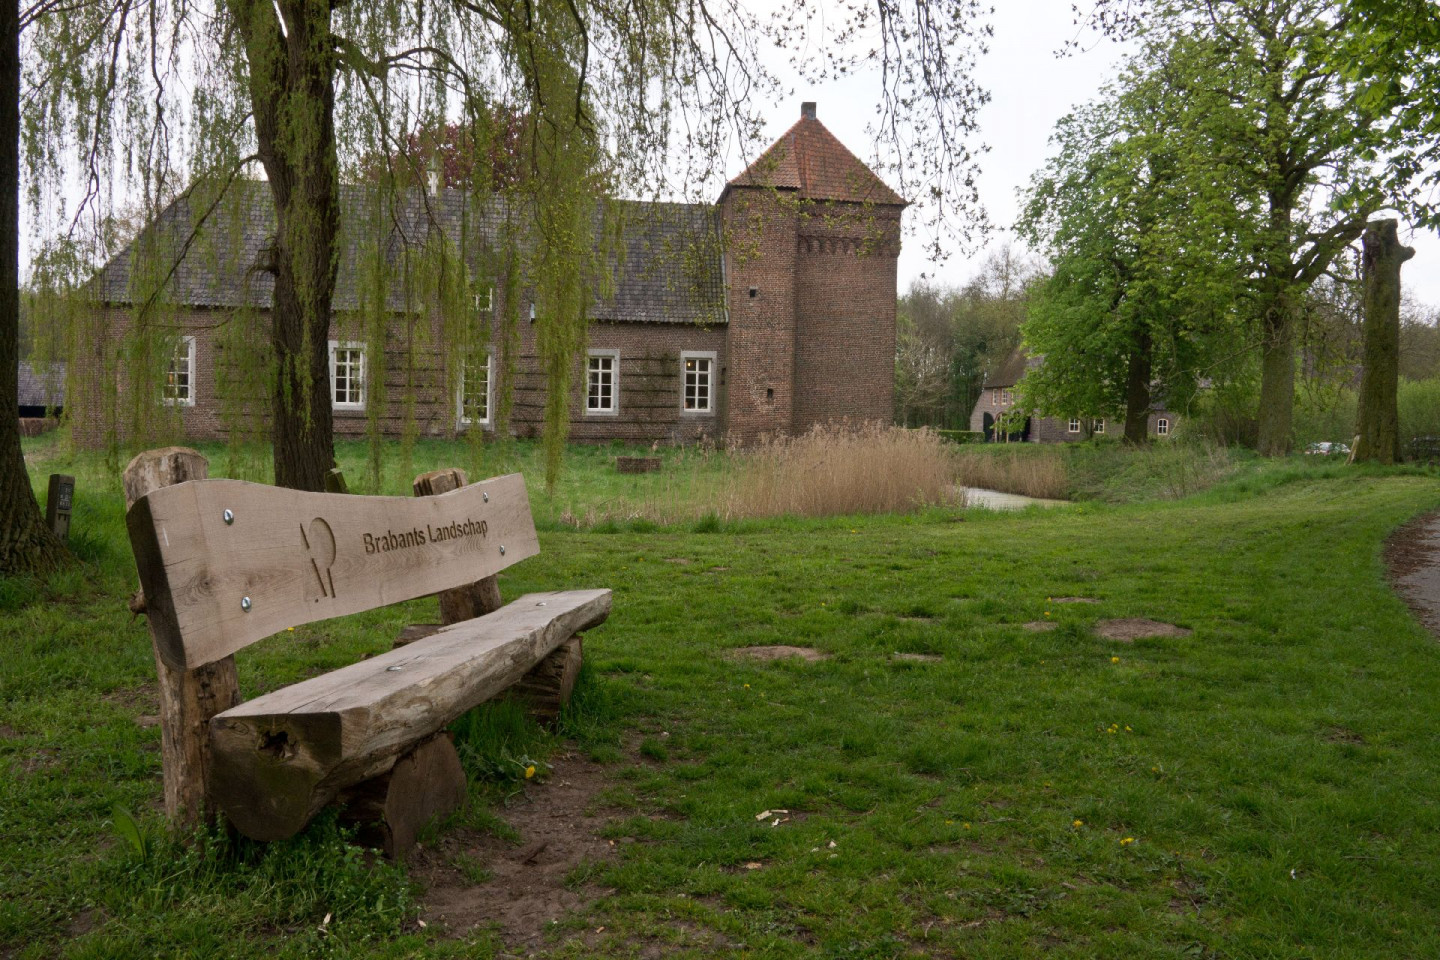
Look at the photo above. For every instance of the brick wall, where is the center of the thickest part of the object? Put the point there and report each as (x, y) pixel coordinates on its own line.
(846, 267)
(760, 258)
(396, 390)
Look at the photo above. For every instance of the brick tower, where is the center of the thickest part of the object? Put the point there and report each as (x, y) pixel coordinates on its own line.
(812, 238)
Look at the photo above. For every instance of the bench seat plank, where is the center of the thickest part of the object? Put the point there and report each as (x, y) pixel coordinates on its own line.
(278, 759)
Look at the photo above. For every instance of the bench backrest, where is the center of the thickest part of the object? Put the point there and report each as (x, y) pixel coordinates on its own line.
(225, 563)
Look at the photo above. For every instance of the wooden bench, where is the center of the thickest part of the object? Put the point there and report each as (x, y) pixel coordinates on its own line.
(224, 563)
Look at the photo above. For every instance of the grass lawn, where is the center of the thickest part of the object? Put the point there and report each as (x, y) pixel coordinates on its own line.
(1265, 787)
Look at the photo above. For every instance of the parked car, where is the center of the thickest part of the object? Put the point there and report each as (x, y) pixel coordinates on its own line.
(1326, 448)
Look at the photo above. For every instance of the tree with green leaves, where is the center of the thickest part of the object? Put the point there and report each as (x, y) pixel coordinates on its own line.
(1140, 293)
(158, 101)
(1322, 143)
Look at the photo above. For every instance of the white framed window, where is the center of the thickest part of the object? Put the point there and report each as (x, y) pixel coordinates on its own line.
(602, 382)
(1074, 426)
(995, 397)
(1100, 425)
(180, 374)
(1008, 396)
(697, 376)
(1162, 426)
(485, 301)
(347, 375)
(473, 393)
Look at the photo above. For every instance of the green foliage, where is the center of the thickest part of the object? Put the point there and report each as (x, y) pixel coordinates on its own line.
(1142, 246)
(963, 436)
(949, 339)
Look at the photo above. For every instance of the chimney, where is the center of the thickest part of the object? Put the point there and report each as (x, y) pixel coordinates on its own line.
(807, 109)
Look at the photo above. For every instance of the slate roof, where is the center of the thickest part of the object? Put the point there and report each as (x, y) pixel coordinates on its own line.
(666, 268)
(810, 160)
(42, 386)
(1009, 373)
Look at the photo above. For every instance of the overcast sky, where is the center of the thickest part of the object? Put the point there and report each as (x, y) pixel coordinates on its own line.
(1030, 89)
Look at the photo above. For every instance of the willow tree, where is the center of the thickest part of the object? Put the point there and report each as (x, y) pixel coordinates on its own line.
(151, 100)
(26, 544)
(1324, 144)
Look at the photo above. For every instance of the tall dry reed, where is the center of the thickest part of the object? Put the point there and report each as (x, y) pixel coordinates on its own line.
(1027, 470)
(840, 469)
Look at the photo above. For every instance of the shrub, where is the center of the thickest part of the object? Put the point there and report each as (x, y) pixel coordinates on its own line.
(963, 436)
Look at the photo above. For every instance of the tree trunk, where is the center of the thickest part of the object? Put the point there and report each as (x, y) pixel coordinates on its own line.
(292, 88)
(26, 544)
(1137, 390)
(1277, 378)
(1378, 426)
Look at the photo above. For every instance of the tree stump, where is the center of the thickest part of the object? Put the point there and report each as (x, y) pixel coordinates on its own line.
(188, 698)
(1378, 423)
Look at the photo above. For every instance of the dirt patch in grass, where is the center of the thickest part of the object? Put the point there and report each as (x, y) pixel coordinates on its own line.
(1412, 560)
(1134, 628)
(530, 882)
(1039, 626)
(917, 657)
(779, 652)
(1073, 600)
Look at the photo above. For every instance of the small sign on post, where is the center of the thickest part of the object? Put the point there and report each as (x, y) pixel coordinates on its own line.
(59, 503)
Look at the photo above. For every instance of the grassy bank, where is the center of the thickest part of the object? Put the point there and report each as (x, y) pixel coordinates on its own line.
(1263, 787)
(1104, 471)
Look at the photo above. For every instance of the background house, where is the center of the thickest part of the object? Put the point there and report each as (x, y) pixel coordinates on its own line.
(999, 397)
(767, 312)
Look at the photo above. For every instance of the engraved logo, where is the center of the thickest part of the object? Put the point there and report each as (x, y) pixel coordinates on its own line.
(320, 543)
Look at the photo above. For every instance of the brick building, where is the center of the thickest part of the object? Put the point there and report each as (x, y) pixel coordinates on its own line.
(768, 312)
(998, 398)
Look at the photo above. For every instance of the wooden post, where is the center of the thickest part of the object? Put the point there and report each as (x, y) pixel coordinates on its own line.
(188, 698)
(547, 687)
(59, 503)
(474, 599)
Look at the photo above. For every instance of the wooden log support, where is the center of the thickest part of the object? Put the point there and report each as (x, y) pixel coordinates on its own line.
(546, 689)
(426, 783)
(188, 698)
(474, 599)
(278, 759)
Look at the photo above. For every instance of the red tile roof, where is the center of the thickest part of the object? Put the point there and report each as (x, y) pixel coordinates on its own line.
(809, 158)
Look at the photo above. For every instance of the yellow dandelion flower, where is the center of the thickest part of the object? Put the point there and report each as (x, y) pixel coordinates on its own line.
(747, 686)
(1077, 823)
(1127, 841)
(1127, 729)
(291, 629)
(1114, 659)
(967, 826)
(1154, 769)
(1047, 613)
(530, 771)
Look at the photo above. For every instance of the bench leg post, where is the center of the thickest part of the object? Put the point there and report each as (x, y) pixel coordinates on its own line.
(547, 687)
(424, 784)
(188, 698)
